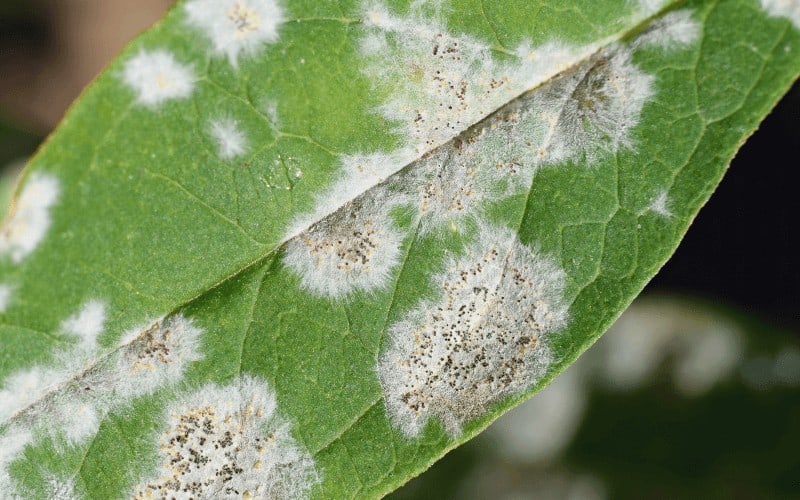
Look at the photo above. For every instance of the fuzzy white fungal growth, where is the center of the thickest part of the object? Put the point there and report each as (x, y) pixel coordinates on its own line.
(484, 339)
(155, 357)
(24, 387)
(649, 7)
(87, 324)
(13, 441)
(789, 9)
(584, 114)
(449, 186)
(156, 76)
(441, 83)
(271, 110)
(590, 110)
(236, 27)
(660, 204)
(229, 442)
(674, 30)
(360, 172)
(57, 488)
(28, 386)
(68, 402)
(6, 292)
(230, 140)
(354, 250)
(29, 221)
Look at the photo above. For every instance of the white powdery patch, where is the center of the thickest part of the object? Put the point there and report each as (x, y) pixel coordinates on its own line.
(29, 221)
(584, 114)
(236, 27)
(6, 292)
(270, 108)
(674, 30)
(229, 442)
(230, 140)
(483, 340)
(70, 401)
(25, 387)
(156, 76)
(649, 7)
(448, 188)
(57, 488)
(13, 441)
(591, 110)
(660, 204)
(153, 358)
(359, 173)
(87, 324)
(440, 83)
(789, 9)
(355, 249)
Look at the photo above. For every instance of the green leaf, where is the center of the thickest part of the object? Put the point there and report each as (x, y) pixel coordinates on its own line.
(304, 249)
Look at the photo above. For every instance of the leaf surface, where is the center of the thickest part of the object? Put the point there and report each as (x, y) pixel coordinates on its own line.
(292, 249)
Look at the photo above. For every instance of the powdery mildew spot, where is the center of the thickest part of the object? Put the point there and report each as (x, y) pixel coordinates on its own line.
(24, 387)
(29, 385)
(228, 137)
(270, 108)
(229, 442)
(156, 76)
(448, 188)
(155, 357)
(359, 173)
(87, 324)
(674, 30)
(584, 114)
(443, 83)
(6, 292)
(29, 221)
(439, 85)
(13, 441)
(355, 249)
(649, 7)
(57, 488)
(482, 340)
(789, 9)
(69, 402)
(236, 27)
(660, 204)
(591, 110)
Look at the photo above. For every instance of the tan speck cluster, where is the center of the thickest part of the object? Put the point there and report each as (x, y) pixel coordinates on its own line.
(484, 339)
(228, 442)
(354, 250)
(245, 20)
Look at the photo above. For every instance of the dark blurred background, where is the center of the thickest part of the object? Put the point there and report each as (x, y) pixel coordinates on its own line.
(736, 272)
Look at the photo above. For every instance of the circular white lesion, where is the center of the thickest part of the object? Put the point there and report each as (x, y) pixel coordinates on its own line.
(482, 340)
(156, 76)
(30, 217)
(236, 27)
(353, 250)
(229, 442)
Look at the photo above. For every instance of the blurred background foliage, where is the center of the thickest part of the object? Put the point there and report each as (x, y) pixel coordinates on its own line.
(694, 393)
